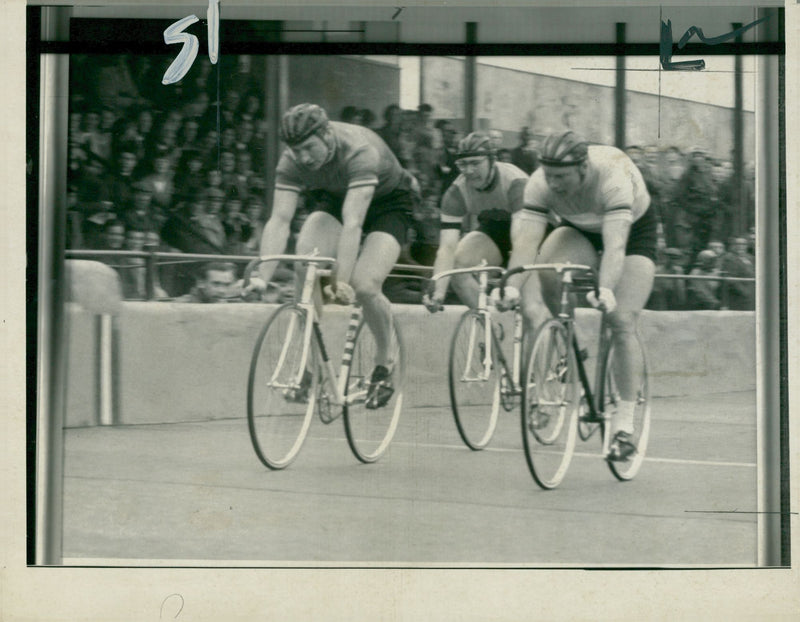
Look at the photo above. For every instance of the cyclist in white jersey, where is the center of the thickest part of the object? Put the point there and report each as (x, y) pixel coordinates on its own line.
(602, 200)
(481, 201)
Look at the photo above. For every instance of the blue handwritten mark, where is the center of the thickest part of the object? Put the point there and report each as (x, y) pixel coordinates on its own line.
(665, 44)
(172, 598)
(174, 34)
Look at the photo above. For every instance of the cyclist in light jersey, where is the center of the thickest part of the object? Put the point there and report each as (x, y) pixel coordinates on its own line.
(356, 188)
(602, 200)
(481, 200)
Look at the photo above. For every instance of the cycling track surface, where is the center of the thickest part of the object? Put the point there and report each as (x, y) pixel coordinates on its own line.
(194, 493)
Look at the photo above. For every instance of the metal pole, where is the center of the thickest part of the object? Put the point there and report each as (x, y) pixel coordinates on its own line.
(51, 380)
(105, 369)
(620, 92)
(277, 101)
(739, 207)
(772, 444)
(470, 81)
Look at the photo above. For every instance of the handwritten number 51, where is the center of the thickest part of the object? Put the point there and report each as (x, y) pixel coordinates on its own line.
(174, 34)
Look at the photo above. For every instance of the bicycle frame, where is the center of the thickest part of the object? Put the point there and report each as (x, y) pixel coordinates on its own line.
(595, 399)
(483, 271)
(310, 293)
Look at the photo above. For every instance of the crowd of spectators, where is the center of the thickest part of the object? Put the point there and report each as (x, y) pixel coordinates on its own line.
(180, 169)
(167, 167)
(695, 198)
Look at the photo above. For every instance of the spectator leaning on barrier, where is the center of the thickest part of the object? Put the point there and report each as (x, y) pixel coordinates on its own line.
(703, 294)
(668, 294)
(215, 283)
(740, 295)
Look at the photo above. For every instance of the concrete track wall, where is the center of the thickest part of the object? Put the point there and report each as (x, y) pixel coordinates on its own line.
(185, 362)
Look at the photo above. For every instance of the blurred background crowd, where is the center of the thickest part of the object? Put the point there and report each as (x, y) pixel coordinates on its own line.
(179, 169)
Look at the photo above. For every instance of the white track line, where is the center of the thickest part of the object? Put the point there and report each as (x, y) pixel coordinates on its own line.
(597, 456)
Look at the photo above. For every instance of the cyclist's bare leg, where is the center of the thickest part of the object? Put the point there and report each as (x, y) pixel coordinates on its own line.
(472, 249)
(320, 231)
(631, 293)
(379, 254)
(540, 291)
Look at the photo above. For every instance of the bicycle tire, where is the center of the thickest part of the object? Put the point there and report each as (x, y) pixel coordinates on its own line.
(278, 425)
(370, 431)
(550, 401)
(474, 399)
(628, 469)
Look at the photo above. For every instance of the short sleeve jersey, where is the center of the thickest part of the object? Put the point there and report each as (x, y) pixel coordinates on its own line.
(361, 158)
(504, 193)
(612, 189)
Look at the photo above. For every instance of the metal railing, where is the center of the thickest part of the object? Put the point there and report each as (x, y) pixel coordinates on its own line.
(155, 259)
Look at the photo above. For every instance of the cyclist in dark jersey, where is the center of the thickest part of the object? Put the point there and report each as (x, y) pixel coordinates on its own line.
(357, 189)
(481, 201)
(603, 202)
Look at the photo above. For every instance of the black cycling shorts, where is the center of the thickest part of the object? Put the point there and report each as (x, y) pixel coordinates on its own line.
(391, 213)
(641, 240)
(498, 232)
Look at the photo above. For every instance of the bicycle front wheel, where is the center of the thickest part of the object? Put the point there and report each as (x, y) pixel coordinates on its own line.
(474, 381)
(369, 426)
(281, 388)
(550, 403)
(627, 470)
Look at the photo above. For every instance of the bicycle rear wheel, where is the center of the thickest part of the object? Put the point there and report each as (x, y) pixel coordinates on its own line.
(474, 386)
(370, 430)
(550, 403)
(627, 470)
(280, 392)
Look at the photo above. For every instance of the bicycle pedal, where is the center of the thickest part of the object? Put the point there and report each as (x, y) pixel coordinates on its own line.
(380, 395)
(296, 395)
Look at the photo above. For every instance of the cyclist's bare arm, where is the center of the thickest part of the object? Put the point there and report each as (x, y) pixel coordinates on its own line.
(354, 210)
(527, 232)
(276, 231)
(615, 239)
(445, 257)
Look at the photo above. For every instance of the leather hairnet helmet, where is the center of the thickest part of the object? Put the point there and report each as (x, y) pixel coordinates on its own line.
(301, 121)
(475, 144)
(564, 149)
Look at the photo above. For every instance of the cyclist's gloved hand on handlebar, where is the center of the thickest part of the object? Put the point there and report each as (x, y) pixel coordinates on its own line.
(432, 302)
(509, 300)
(256, 284)
(343, 294)
(254, 290)
(606, 300)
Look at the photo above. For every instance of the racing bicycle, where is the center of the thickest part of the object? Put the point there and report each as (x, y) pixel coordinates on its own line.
(480, 378)
(291, 375)
(559, 403)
